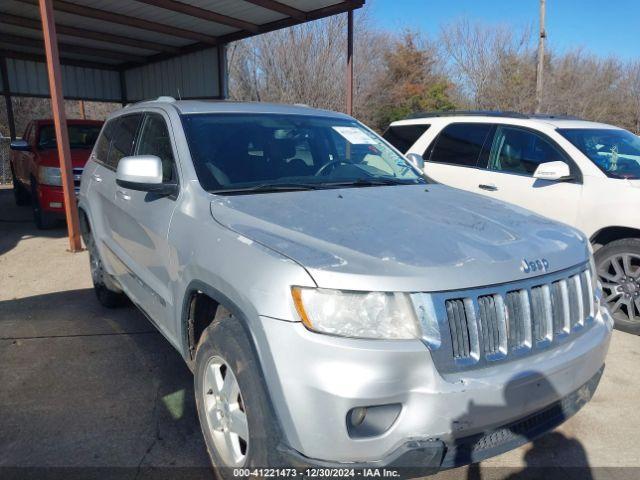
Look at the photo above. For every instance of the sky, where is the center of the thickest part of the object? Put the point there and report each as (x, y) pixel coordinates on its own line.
(603, 27)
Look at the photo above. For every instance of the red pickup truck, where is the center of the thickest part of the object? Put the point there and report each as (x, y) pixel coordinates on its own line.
(36, 167)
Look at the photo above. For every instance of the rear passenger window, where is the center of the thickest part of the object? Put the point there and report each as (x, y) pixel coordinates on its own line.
(104, 140)
(123, 138)
(154, 140)
(460, 144)
(404, 136)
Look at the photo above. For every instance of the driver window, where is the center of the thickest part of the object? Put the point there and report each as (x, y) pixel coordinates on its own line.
(154, 140)
(519, 151)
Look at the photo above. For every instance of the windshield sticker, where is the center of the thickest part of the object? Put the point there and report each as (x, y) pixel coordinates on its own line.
(355, 136)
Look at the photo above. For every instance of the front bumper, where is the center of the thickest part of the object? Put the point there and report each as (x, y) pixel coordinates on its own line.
(444, 421)
(421, 458)
(51, 198)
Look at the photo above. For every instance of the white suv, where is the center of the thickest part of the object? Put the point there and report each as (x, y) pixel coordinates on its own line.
(582, 173)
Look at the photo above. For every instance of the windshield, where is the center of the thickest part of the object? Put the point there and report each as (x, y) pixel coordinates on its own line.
(80, 136)
(615, 151)
(243, 153)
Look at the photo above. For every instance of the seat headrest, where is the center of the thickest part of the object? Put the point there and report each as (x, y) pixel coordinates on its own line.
(282, 148)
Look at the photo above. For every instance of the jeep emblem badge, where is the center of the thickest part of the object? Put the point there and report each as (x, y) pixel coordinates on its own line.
(536, 265)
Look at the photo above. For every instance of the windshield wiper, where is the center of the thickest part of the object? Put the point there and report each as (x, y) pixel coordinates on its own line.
(266, 188)
(372, 182)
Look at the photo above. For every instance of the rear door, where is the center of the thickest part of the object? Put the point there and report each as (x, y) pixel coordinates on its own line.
(121, 136)
(140, 227)
(514, 156)
(459, 154)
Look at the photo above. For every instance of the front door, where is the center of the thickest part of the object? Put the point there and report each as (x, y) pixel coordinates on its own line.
(141, 227)
(514, 156)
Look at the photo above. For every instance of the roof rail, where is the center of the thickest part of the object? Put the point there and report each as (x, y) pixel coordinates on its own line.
(550, 116)
(467, 113)
(491, 113)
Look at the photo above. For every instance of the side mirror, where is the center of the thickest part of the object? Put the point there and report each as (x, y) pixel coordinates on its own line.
(144, 174)
(20, 145)
(416, 160)
(553, 171)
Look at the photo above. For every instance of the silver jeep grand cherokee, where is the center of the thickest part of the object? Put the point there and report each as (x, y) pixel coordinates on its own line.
(337, 308)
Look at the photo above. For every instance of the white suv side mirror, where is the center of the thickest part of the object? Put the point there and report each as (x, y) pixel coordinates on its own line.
(553, 171)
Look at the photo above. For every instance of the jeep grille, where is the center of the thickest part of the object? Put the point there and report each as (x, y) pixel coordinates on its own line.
(486, 325)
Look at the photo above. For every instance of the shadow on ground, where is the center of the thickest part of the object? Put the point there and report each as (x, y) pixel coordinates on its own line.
(84, 386)
(16, 223)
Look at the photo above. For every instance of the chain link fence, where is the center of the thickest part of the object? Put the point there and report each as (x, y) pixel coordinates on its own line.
(5, 170)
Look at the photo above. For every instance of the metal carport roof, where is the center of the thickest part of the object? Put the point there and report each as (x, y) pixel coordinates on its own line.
(128, 50)
(108, 47)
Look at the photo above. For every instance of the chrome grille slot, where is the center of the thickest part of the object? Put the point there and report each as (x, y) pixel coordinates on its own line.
(576, 306)
(519, 315)
(458, 324)
(541, 312)
(560, 307)
(489, 318)
(587, 293)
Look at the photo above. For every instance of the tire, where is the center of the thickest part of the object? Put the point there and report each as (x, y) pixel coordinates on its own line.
(103, 285)
(43, 220)
(20, 195)
(224, 348)
(618, 266)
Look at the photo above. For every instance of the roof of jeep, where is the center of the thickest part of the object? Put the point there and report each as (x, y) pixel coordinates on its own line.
(224, 106)
(557, 122)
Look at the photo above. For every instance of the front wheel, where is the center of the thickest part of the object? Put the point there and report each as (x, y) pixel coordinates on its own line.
(618, 266)
(20, 195)
(235, 416)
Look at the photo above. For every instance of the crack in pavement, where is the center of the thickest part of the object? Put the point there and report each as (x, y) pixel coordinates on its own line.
(155, 416)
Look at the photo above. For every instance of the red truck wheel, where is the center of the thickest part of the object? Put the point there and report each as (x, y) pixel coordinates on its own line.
(43, 220)
(21, 196)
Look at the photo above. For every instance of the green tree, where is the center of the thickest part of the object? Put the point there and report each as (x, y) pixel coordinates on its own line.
(409, 81)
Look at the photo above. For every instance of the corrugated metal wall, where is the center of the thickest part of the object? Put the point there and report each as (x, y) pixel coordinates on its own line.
(191, 75)
(188, 76)
(27, 77)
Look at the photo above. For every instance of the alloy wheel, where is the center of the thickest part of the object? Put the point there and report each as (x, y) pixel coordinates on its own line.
(225, 412)
(620, 278)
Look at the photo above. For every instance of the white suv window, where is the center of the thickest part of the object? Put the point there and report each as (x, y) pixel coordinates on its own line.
(404, 136)
(461, 144)
(516, 150)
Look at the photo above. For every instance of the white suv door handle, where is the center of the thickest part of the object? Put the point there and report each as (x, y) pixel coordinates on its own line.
(489, 187)
(97, 177)
(123, 195)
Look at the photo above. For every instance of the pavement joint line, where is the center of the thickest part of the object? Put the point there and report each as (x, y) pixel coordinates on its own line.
(82, 335)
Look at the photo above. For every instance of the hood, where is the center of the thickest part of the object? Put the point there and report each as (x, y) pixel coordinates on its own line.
(49, 157)
(401, 238)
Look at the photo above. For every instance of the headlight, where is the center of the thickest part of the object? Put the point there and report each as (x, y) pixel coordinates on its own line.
(50, 176)
(357, 314)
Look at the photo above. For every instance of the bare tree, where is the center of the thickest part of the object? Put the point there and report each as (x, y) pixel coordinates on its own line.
(477, 56)
(305, 64)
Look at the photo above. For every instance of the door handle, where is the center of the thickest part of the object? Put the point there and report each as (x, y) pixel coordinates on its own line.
(123, 195)
(489, 187)
(97, 177)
